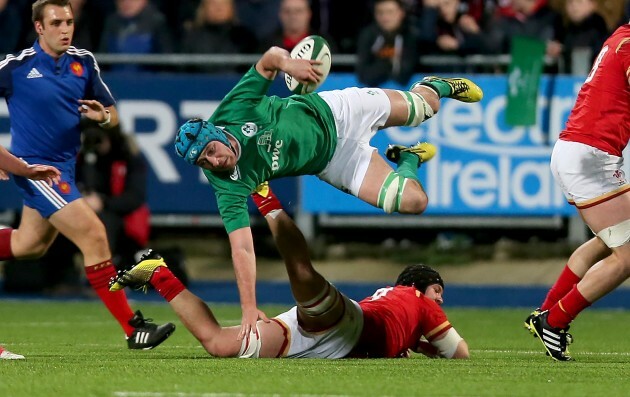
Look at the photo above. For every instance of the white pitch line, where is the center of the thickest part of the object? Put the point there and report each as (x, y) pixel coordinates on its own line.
(184, 394)
(55, 323)
(579, 353)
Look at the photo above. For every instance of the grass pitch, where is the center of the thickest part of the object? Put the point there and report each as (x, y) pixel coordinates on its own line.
(76, 349)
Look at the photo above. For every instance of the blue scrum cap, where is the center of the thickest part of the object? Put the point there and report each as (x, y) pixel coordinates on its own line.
(193, 136)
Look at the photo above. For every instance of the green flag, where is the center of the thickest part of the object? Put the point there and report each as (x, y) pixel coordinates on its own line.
(528, 57)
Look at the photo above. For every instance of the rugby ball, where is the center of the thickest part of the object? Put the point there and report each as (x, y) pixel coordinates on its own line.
(311, 47)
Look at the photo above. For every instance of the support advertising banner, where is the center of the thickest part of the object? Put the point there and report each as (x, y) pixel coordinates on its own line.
(483, 166)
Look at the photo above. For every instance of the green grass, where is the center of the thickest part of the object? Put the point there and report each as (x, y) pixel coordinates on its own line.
(75, 349)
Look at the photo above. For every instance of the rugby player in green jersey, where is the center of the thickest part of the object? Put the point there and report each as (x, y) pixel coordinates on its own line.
(252, 138)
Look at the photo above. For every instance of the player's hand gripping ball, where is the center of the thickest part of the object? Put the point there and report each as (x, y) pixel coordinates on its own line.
(315, 48)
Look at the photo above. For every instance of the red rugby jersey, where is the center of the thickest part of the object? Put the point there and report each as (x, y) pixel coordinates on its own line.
(601, 115)
(394, 319)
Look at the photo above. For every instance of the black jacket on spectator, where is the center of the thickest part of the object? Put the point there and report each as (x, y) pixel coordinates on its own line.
(386, 56)
(219, 39)
(540, 25)
(147, 33)
(10, 29)
(589, 34)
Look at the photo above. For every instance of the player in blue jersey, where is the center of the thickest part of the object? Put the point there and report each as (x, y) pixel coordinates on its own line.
(48, 88)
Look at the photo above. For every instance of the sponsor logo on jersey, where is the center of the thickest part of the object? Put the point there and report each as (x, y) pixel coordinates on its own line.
(275, 156)
(265, 140)
(34, 74)
(249, 129)
(76, 68)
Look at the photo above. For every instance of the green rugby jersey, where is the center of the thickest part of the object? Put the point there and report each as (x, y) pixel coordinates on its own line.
(278, 137)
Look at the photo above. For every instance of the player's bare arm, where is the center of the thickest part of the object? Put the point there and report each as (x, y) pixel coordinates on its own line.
(107, 117)
(447, 345)
(244, 260)
(278, 59)
(13, 165)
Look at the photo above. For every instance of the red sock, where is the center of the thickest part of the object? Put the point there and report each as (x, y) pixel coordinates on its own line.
(5, 244)
(116, 302)
(166, 283)
(563, 285)
(567, 308)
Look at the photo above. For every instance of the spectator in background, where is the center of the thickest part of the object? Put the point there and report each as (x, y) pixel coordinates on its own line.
(85, 36)
(331, 18)
(387, 50)
(216, 31)
(450, 29)
(295, 24)
(528, 18)
(261, 14)
(580, 36)
(10, 27)
(177, 14)
(112, 174)
(137, 27)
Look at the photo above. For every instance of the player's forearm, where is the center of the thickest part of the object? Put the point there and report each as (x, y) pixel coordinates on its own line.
(245, 271)
(12, 164)
(272, 61)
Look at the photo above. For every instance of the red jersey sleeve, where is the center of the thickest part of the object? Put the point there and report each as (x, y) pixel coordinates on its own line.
(395, 318)
(434, 321)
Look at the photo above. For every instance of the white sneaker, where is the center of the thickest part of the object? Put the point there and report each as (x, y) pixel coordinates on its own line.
(7, 355)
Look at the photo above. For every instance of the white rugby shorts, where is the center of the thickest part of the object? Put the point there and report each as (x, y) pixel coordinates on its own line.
(336, 342)
(358, 113)
(587, 175)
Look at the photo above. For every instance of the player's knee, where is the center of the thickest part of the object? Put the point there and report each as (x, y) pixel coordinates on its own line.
(33, 251)
(30, 248)
(322, 303)
(218, 349)
(94, 238)
(419, 107)
(400, 194)
(414, 202)
(616, 235)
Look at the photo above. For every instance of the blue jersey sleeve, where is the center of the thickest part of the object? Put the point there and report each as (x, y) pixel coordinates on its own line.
(97, 89)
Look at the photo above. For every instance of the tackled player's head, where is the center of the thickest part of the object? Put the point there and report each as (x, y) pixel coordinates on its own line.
(194, 135)
(419, 276)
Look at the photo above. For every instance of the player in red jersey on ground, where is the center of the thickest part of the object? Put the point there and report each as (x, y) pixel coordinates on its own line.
(324, 323)
(586, 163)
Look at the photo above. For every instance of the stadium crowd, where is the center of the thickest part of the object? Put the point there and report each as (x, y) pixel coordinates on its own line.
(387, 35)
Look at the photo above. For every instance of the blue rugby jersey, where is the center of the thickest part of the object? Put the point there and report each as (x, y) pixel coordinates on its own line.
(42, 96)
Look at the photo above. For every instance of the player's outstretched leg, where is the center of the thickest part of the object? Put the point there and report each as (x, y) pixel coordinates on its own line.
(424, 150)
(146, 335)
(138, 276)
(458, 88)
